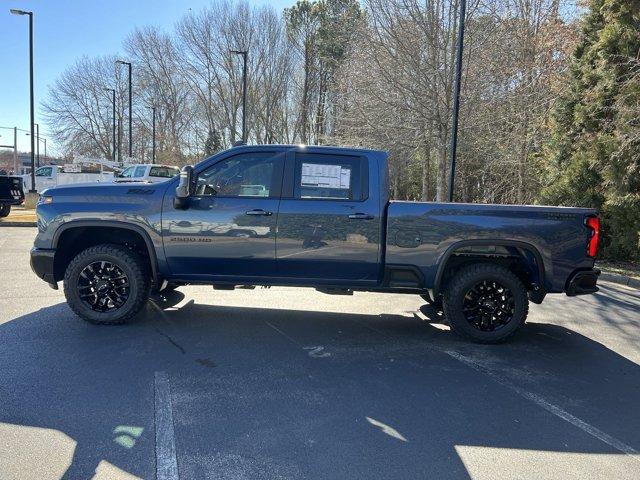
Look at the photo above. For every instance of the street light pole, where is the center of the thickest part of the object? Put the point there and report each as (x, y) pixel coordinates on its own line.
(33, 163)
(38, 145)
(39, 139)
(456, 98)
(244, 54)
(128, 64)
(113, 130)
(15, 150)
(153, 135)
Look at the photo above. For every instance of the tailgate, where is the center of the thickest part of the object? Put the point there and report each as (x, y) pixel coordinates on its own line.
(11, 191)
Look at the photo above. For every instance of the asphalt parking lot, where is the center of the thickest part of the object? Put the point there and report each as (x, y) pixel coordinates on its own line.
(290, 383)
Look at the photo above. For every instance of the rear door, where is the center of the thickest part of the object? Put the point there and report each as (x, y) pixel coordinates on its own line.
(329, 224)
(229, 226)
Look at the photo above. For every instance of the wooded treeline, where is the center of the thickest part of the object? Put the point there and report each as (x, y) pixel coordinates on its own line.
(379, 74)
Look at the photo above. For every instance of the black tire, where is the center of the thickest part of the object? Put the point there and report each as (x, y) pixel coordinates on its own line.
(4, 210)
(137, 284)
(485, 303)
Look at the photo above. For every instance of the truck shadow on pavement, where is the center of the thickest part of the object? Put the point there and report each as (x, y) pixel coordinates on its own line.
(261, 393)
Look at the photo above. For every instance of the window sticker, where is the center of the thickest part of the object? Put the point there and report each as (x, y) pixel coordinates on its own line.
(325, 176)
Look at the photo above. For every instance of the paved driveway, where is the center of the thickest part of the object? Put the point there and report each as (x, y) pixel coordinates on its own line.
(291, 383)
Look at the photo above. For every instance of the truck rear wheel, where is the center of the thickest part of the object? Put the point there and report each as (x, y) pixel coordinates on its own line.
(4, 210)
(485, 303)
(107, 284)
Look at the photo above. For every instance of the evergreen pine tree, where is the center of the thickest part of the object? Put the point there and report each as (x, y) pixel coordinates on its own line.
(593, 156)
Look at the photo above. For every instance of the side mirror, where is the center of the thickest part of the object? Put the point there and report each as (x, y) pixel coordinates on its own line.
(185, 188)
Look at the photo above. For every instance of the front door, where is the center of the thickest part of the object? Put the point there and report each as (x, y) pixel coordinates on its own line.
(229, 225)
(329, 224)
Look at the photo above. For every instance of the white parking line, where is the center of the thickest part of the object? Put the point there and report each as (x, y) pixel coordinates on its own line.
(166, 462)
(549, 407)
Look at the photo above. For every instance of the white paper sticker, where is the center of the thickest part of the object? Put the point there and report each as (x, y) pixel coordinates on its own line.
(325, 176)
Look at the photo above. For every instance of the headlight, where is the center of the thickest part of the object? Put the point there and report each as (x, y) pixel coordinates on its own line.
(44, 199)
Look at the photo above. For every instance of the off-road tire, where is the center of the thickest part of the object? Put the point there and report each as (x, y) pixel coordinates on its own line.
(465, 280)
(4, 210)
(129, 262)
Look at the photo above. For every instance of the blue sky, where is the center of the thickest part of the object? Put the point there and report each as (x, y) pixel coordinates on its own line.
(65, 30)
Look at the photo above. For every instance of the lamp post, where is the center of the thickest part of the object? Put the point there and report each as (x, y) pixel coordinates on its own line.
(113, 130)
(456, 98)
(244, 54)
(31, 99)
(38, 145)
(39, 139)
(153, 134)
(128, 64)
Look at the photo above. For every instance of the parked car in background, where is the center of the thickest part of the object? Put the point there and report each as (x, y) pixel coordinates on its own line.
(150, 173)
(50, 176)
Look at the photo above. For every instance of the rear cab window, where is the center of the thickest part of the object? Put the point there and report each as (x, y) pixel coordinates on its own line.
(164, 172)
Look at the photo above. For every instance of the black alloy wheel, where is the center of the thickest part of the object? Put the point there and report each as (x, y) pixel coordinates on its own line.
(103, 286)
(488, 306)
(107, 284)
(485, 302)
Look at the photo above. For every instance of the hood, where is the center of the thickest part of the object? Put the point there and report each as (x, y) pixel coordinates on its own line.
(101, 189)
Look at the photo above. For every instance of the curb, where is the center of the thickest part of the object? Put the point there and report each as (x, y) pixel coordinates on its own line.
(620, 279)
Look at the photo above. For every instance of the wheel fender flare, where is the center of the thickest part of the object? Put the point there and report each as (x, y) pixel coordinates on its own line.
(153, 260)
(486, 242)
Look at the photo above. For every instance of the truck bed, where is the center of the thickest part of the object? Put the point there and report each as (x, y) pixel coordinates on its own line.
(424, 234)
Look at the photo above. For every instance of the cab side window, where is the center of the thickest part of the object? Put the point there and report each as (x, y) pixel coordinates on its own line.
(244, 175)
(329, 177)
(44, 172)
(140, 172)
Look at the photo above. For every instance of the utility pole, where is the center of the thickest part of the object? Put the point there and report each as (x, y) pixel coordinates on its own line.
(244, 54)
(15, 150)
(31, 97)
(38, 145)
(456, 98)
(14, 147)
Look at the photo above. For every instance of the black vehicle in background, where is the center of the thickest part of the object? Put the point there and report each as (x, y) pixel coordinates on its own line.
(11, 193)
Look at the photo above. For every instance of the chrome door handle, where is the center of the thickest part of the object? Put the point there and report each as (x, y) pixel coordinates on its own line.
(258, 211)
(360, 216)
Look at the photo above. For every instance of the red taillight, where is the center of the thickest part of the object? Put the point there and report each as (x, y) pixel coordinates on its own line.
(594, 224)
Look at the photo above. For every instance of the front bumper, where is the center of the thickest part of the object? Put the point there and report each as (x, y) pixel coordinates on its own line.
(42, 264)
(583, 282)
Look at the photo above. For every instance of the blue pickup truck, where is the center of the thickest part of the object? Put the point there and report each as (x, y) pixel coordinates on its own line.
(312, 217)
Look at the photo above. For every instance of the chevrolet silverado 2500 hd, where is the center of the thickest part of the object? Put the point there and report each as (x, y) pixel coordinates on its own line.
(314, 217)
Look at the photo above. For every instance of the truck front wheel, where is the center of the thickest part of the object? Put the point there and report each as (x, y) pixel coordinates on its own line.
(485, 303)
(107, 284)
(4, 210)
